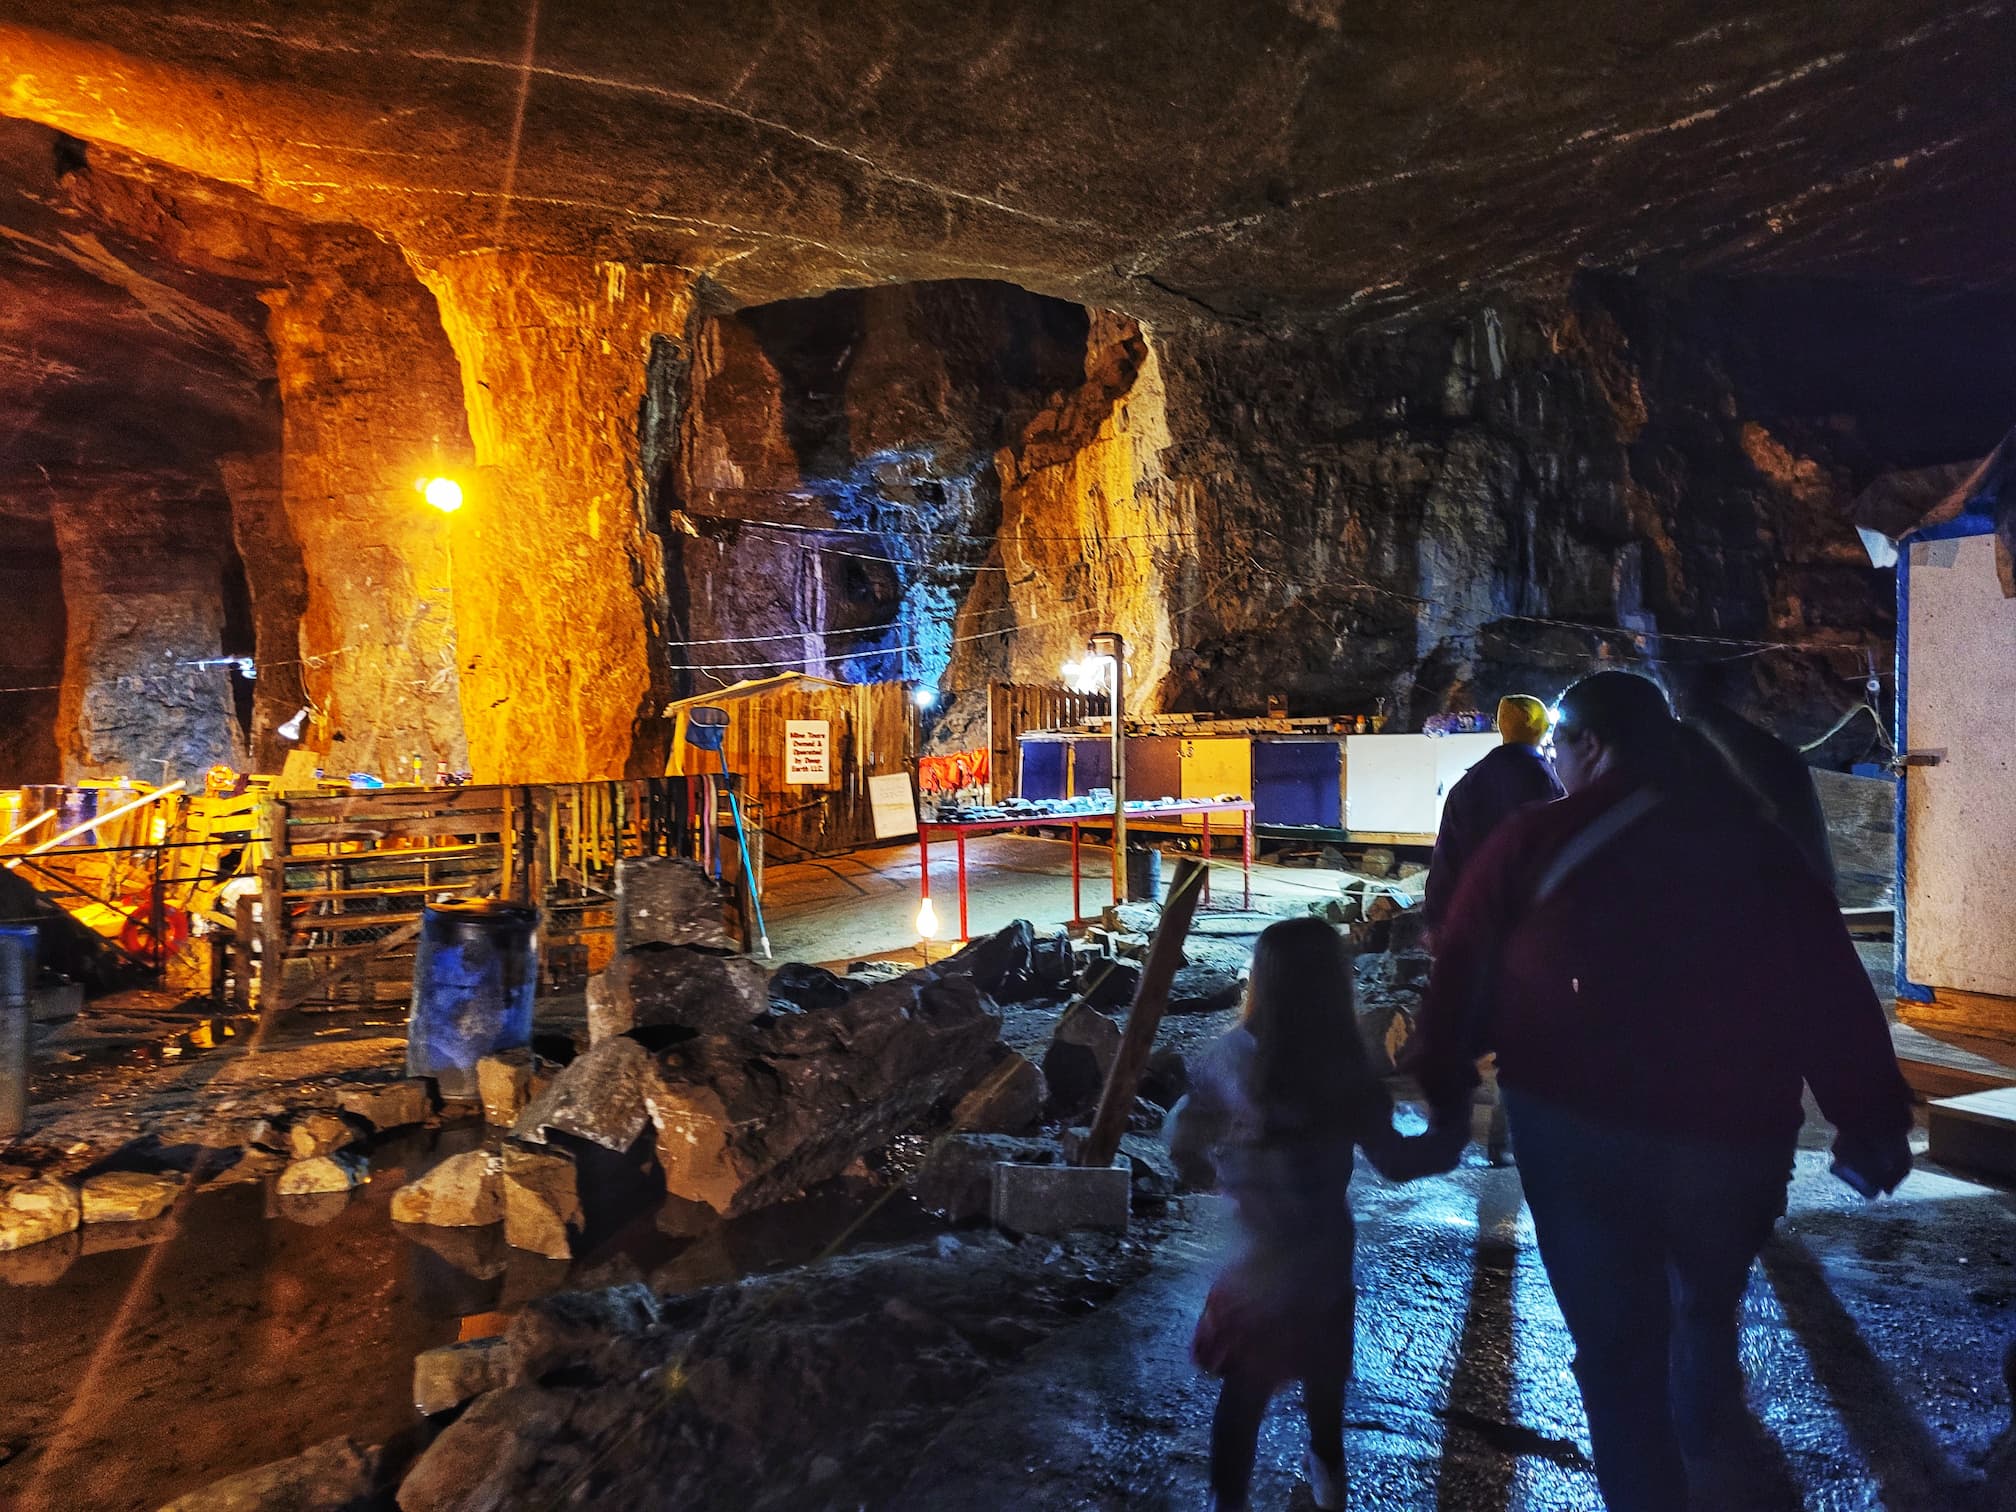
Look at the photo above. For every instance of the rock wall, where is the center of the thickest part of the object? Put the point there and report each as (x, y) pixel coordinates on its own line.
(143, 599)
(836, 473)
(31, 646)
(558, 566)
(370, 401)
(277, 583)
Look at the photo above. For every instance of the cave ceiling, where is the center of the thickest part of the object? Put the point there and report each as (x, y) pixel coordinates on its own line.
(1171, 158)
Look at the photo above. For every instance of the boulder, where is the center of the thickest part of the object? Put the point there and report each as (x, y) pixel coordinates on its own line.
(1082, 1048)
(37, 1211)
(1109, 983)
(320, 1133)
(1053, 963)
(504, 1085)
(1002, 965)
(335, 1475)
(478, 1253)
(956, 1178)
(542, 1199)
(1166, 1078)
(1203, 989)
(323, 1173)
(393, 1105)
(811, 988)
(575, 1328)
(1008, 1098)
(750, 1118)
(666, 988)
(600, 1097)
(129, 1196)
(445, 1378)
(1377, 862)
(668, 900)
(1154, 1170)
(463, 1191)
(874, 973)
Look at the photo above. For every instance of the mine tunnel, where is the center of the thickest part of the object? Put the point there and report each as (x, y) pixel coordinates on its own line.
(1006, 757)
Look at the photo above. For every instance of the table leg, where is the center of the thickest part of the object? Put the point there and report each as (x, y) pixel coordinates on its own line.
(962, 885)
(924, 871)
(1246, 857)
(1204, 850)
(1077, 903)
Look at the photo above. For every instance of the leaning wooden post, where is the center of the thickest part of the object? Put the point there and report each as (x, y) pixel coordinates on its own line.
(1151, 998)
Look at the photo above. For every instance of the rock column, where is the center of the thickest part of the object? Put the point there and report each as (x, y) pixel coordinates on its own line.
(562, 666)
(370, 403)
(143, 579)
(278, 586)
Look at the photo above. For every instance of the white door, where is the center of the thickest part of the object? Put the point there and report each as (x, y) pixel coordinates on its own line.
(1960, 810)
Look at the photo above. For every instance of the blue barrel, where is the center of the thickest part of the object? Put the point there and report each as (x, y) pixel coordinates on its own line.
(472, 989)
(17, 975)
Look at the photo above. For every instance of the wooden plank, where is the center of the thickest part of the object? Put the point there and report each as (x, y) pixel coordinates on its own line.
(489, 823)
(396, 804)
(1963, 1013)
(272, 934)
(242, 955)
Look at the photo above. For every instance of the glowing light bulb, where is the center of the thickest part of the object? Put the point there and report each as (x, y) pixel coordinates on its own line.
(445, 494)
(927, 921)
(924, 697)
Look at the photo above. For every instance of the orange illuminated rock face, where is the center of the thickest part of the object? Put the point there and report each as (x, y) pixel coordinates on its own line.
(560, 583)
(370, 401)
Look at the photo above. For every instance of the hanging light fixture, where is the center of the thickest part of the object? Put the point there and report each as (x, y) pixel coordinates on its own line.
(291, 730)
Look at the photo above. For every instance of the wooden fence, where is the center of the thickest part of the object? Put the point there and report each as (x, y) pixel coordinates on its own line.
(1014, 709)
(346, 877)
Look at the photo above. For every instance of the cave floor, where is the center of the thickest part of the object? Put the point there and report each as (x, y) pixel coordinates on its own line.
(864, 904)
(1872, 1337)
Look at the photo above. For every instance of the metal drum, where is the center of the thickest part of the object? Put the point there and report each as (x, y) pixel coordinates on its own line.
(17, 976)
(472, 989)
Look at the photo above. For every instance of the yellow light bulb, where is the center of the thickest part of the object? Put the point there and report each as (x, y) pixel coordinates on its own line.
(927, 921)
(445, 494)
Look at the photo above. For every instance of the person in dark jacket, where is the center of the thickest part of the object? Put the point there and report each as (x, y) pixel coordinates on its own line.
(1509, 778)
(1772, 768)
(1658, 970)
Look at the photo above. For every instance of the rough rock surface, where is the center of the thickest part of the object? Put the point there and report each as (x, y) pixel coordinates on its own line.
(667, 987)
(331, 1477)
(504, 1086)
(1081, 1053)
(542, 1199)
(129, 1196)
(392, 1106)
(749, 1119)
(853, 1362)
(37, 1211)
(600, 1096)
(463, 1191)
(323, 1175)
(669, 900)
(1007, 1099)
(319, 1133)
(445, 1378)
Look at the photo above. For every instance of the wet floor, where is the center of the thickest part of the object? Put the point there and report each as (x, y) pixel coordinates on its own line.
(242, 1327)
(1873, 1336)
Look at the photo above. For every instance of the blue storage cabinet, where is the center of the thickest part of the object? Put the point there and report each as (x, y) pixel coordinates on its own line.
(1299, 782)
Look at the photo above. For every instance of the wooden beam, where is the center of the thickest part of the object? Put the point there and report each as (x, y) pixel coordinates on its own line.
(1151, 999)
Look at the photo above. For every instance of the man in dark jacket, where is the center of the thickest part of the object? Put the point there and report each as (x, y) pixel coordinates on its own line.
(1508, 779)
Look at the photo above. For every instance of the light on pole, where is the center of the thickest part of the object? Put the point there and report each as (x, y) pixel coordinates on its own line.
(1109, 645)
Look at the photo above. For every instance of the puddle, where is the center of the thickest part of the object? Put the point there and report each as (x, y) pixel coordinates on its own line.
(243, 1328)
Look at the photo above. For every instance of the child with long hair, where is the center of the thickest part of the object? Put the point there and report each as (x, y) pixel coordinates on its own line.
(1281, 1104)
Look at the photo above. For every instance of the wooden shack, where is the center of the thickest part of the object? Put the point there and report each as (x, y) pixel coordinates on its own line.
(779, 729)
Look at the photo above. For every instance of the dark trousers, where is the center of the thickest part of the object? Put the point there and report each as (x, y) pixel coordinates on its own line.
(1235, 1430)
(1648, 1242)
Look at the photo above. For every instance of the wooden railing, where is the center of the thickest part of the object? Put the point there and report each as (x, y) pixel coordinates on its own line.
(348, 874)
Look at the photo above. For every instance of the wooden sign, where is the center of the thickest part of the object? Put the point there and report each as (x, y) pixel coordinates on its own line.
(808, 752)
(895, 805)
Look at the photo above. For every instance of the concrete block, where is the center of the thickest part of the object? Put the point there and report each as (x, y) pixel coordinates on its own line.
(1976, 1132)
(1054, 1200)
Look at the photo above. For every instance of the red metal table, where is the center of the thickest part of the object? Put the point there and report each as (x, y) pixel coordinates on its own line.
(1076, 823)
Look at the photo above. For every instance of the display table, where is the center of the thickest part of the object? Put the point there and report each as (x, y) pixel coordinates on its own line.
(957, 831)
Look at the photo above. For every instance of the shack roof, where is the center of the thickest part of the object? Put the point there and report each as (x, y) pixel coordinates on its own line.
(755, 687)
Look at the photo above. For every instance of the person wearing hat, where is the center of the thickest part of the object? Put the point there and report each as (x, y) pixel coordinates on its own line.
(1507, 779)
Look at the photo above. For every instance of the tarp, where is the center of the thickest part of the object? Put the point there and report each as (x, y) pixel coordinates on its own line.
(1900, 502)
